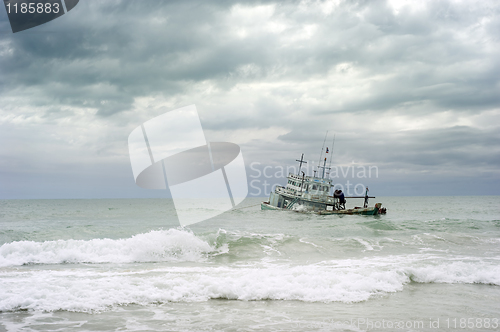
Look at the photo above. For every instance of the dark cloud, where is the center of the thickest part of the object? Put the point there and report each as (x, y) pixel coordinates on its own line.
(164, 44)
(276, 74)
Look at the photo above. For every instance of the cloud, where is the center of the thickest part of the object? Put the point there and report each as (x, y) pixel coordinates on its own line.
(405, 85)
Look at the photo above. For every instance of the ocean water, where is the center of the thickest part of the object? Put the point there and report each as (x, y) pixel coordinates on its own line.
(430, 263)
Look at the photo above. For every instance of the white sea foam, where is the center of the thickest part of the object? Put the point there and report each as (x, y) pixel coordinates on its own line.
(364, 243)
(162, 245)
(457, 272)
(76, 290)
(87, 290)
(96, 288)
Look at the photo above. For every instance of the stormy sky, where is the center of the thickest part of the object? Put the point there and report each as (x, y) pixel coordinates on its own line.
(409, 87)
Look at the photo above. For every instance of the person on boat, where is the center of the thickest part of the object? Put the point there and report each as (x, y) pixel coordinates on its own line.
(340, 195)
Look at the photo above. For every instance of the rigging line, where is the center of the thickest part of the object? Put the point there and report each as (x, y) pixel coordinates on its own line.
(321, 154)
(333, 145)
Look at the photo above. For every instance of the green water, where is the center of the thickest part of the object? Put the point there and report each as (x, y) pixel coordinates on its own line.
(96, 265)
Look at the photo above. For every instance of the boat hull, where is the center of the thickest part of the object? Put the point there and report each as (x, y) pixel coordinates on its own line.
(267, 206)
(371, 211)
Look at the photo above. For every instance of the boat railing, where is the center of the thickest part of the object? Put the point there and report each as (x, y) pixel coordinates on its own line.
(305, 195)
(283, 190)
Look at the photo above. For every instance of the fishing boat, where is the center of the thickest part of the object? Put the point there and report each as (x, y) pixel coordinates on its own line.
(304, 193)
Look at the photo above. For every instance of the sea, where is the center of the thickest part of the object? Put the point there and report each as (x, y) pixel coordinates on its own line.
(429, 264)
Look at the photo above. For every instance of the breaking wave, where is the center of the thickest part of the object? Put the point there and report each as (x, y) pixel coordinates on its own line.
(234, 277)
(162, 245)
(89, 291)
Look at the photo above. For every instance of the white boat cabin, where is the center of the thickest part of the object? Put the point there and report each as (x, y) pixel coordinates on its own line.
(309, 185)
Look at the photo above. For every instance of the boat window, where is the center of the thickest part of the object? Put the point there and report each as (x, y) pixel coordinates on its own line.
(314, 187)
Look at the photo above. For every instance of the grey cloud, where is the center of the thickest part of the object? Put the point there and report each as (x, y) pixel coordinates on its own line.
(360, 62)
(165, 44)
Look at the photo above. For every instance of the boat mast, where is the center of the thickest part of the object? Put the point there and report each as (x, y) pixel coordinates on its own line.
(302, 183)
(301, 161)
(324, 166)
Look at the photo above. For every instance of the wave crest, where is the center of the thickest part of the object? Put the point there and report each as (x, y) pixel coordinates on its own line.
(161, 245)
